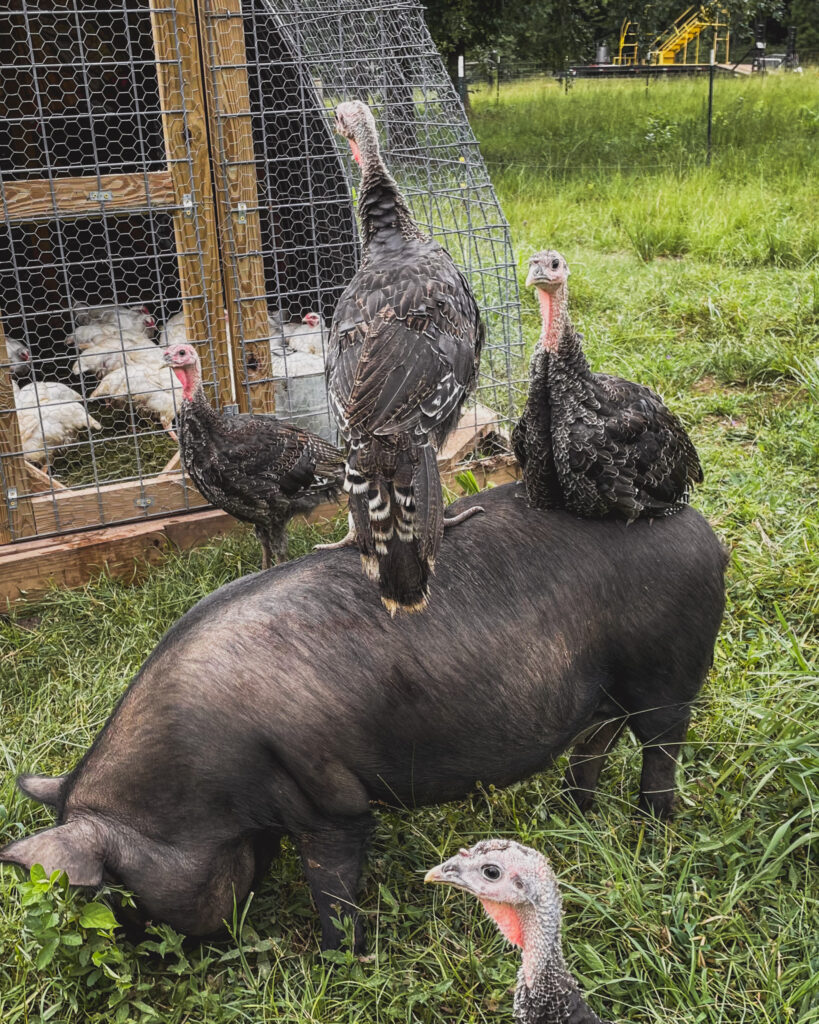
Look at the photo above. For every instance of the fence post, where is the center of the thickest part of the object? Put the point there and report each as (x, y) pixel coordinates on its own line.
(711, 70)
(462, 79)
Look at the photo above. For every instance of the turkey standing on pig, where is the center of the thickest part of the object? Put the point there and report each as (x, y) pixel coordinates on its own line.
(282, 705)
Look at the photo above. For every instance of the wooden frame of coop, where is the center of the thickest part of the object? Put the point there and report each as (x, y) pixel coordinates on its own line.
(53, 533)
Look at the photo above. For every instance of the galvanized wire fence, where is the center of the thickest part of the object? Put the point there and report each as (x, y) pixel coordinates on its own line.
(168, 172)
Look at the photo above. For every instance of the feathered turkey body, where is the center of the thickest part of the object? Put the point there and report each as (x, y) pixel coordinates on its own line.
(257, 468)
(402, 357)
(519, 891)
(588, 442)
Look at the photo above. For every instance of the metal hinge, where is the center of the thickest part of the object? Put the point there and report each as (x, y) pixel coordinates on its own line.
(11, 498)
(230, 410)
(145, 502)
(241, 213)
(187, 204)
(100, 197)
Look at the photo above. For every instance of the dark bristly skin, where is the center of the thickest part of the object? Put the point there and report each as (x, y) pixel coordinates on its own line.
(282, 704)
(259, 469)
(591, 443)
(518, 890)
(402, 357)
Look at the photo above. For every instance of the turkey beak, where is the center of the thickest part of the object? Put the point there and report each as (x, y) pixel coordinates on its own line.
(167, 359)
(537, 275)
(435, 874)
(448, 873)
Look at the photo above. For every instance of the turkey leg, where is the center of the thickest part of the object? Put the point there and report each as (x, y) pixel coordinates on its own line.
(349, 540)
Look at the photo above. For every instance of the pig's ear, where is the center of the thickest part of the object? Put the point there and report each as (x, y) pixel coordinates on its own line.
(46, 789)
(73, 848)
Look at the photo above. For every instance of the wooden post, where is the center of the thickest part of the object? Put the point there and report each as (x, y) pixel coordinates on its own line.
(237, 200)
(16, 513)
(184, 122)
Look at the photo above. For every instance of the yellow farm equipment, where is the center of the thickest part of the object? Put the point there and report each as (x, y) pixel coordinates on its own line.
(687, 29)
(672, 46)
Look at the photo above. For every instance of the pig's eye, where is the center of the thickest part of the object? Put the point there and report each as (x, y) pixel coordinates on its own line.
(491, 871)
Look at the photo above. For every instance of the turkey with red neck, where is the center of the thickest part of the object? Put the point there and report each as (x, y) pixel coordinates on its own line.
(402, 357)
(257, 468)
(588, 442)
(518, 890)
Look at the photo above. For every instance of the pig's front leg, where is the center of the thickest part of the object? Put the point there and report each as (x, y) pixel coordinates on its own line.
(333, 857)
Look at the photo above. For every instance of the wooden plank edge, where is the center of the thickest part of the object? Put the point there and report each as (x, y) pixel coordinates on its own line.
(29, 570)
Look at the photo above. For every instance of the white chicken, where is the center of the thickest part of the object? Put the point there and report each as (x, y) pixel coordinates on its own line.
(132, 318)
(149, 387)
(308, 336)
(305, 335)
(173, 331)
(50, 416)
(108, 335)
(110, 349)
(18, 359)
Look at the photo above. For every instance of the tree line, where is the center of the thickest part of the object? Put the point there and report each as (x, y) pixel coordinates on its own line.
(555, 32)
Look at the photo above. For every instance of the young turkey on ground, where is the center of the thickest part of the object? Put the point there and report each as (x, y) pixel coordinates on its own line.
(519, 891)
(402, 357)
(257, 468)
(588, 442)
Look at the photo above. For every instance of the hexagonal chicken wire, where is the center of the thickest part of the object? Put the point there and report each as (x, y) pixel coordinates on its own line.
(168, 171)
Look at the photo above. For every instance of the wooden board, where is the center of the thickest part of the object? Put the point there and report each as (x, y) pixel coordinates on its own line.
(184, 123)
(16, 514)
(66, 510)
(49, 198)
(30, 569)
(231, 126)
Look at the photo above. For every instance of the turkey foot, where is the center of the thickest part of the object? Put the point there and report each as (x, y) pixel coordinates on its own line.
(349, 540)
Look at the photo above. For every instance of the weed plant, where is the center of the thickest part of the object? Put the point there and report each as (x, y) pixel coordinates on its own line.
(703, 284)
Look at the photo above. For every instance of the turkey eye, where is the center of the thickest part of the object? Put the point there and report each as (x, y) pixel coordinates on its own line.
(555, 264)
(492, 872)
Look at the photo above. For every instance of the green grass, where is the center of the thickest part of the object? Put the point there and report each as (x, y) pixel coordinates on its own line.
(714, 301)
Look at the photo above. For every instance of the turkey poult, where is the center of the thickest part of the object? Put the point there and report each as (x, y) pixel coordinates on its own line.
(519, 891)
(588, 442)
(255, 467)
(402, 357)
(50, 415)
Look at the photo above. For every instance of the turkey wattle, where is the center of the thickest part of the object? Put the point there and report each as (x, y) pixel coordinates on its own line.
(257, 468)
(519, 891)
(402, 357)
(588, 442)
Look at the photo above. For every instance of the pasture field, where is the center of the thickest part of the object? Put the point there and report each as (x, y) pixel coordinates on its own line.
(703, 283)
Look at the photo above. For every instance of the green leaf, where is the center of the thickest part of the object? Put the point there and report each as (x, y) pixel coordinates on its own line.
(46, 954)
(97, 915)
(37, 873)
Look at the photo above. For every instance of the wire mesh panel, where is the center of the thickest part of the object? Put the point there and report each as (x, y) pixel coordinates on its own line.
(295, 182)
(169, 172)
(107, 223)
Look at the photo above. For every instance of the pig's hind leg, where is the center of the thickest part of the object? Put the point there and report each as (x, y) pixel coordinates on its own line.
(588, 758)
(661, 732)
(333, 856)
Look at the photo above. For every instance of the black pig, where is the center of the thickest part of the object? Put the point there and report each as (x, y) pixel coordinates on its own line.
(287, 701)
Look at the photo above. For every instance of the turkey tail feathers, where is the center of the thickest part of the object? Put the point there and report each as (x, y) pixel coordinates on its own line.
(399, 522)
